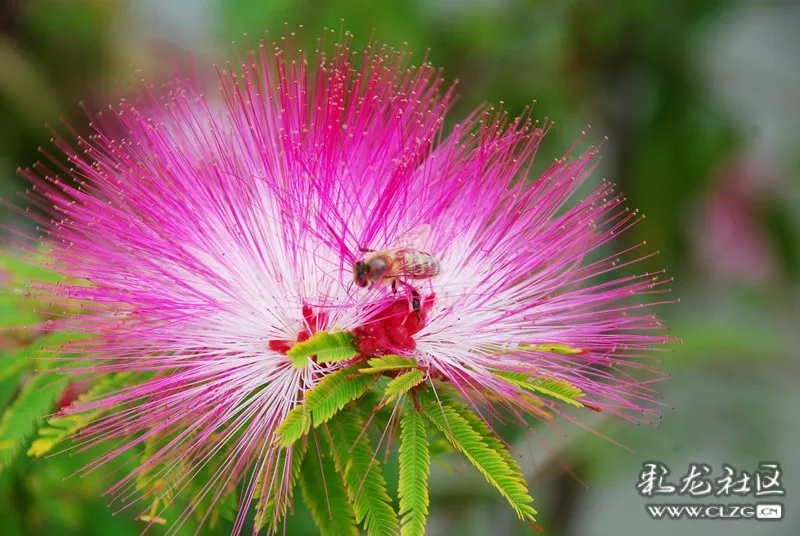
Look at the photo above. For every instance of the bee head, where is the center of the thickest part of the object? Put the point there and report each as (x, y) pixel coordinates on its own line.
(370, 270)
(361, 273)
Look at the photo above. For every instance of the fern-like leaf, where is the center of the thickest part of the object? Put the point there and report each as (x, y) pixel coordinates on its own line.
(549, 348)
(554, 348)
(333, 393)
(295, 425)
(45, 351)
(400, 385)
(388, 363)
(17, 303)
(326, 346)
(488, 435)
(61, 427)
(225, 508)
(321, 403)
(438, 446)
(324, 492)
(559, 389)
(158, 482)
(363, 478)
(209, 507)
(271, 509)
(13, 363)
(414, 471)
(488, 455)
(35, 400)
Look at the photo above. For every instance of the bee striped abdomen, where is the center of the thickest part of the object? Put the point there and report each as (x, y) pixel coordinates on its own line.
(417, 264)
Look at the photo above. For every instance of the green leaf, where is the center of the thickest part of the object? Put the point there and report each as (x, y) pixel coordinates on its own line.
(35, 400)
(226, 507)
(403, 383)
(327, 347)
(483, 450)
(324, 492)
(13, 363)
(388, 363)
(62, 427)
(333, 393)
(53, 346)
(554, 348)
(550, 348)
(363, 478)
(34, 268)
(559, 389)
(489, 437)
(8, 390)
(48, 346)
(414, 472)
(157, 481)
(439, 447)
(209, 507)
(295, 425)
(17, 300)
(164, 471)
(323, 401)
(271, 509)
(59, 429)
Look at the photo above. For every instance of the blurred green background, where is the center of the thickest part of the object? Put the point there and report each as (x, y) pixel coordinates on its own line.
(700, 102)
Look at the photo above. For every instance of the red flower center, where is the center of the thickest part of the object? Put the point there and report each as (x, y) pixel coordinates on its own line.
(312, 321)
(391, 329)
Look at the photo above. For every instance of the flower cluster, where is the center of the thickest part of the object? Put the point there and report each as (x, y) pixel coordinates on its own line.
(392, 329)
(205, 237)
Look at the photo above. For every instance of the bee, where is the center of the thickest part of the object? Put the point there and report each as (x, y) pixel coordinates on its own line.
(399, 262)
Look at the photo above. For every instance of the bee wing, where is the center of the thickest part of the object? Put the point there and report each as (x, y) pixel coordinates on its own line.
(414, 238)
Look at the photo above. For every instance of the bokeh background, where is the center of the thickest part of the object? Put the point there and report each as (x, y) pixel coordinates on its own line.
(700, 100)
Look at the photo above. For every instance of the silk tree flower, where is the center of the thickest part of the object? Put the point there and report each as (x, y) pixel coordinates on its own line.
(204, 237)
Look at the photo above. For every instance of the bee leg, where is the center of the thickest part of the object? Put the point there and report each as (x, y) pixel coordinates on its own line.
(394, 286)
(416, 302)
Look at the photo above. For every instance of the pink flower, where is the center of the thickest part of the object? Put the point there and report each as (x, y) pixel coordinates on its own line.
(206, 236)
